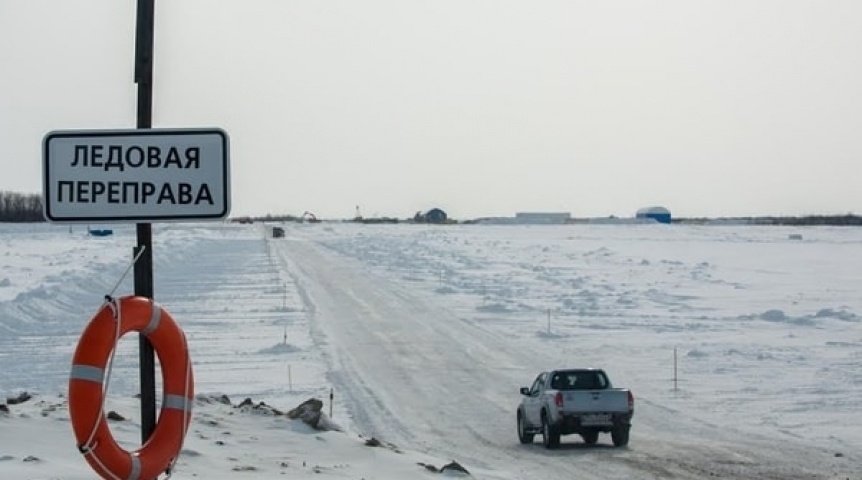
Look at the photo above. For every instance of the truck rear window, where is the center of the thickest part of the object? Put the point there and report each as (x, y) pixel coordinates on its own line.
(579, 380)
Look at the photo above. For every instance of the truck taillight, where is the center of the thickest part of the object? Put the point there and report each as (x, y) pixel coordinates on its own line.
(631, 401)
(559, 399)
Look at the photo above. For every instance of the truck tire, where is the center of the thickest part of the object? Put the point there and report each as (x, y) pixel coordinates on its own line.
(523, 436)
(620, 435)
(550, 434)
(590, 436)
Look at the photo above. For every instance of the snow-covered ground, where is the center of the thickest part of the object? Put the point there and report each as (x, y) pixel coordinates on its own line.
(425, 333)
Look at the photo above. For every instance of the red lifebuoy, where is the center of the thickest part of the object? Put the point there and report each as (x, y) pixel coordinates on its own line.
(87, 378)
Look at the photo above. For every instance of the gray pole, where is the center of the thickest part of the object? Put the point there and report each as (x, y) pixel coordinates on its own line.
(144, 266)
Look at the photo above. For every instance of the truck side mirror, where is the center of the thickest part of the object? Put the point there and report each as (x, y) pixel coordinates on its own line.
(525, 391)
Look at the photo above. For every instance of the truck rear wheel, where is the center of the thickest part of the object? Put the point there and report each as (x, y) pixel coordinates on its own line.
(620, 435)
(550, 435)
(523, 436)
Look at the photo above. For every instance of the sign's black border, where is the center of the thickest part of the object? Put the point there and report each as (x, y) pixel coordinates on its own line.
(46, 191)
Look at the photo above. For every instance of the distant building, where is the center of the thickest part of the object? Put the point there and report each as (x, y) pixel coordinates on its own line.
(435, 215)
(543, 218)
(659, 214)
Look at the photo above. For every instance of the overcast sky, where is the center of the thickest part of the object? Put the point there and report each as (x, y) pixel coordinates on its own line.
(710, 108)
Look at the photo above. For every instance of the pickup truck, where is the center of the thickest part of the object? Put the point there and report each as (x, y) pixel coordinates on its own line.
(581, 401)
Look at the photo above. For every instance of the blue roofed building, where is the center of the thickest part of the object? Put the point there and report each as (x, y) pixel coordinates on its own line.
(658, 214)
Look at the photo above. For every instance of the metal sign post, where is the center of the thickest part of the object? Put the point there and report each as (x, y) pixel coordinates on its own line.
(144, 265)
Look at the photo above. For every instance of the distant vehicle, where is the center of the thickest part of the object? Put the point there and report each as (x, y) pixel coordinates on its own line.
(277, 232)
(581, 401)
(104, 232)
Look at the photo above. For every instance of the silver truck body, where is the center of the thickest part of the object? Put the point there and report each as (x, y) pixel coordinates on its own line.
(582, 401)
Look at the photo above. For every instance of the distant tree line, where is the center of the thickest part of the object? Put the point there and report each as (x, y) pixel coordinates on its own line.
(20, 207)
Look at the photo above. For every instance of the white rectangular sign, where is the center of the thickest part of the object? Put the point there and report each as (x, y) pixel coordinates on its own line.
(136, 175)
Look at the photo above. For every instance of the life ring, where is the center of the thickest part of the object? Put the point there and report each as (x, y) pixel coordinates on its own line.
(87, 389)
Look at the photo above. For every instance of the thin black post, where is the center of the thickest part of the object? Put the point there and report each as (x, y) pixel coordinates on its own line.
(144, 266)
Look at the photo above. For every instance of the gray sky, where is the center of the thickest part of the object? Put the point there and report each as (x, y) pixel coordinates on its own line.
(711, 108)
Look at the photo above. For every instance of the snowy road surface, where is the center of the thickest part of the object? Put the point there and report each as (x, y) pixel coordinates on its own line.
(416, 374)
(426, 333)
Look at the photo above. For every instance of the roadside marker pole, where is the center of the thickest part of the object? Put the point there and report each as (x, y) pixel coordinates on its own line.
(144, 267)
(331, 397)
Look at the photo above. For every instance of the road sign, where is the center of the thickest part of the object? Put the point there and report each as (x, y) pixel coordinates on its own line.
(136, 175)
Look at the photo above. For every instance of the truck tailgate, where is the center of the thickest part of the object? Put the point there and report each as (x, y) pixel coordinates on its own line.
(587, 401)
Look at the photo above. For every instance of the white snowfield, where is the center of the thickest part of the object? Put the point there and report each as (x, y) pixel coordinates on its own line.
(425, 334)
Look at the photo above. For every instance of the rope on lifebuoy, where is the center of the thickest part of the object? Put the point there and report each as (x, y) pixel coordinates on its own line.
(83, 372)
(88, 387)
